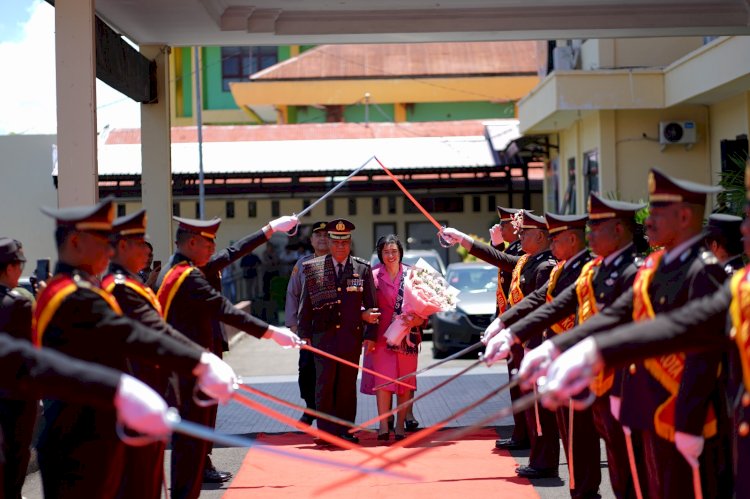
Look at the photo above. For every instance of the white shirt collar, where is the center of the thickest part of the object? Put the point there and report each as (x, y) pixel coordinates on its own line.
(574, 257)
(611, 257)
(677, 250)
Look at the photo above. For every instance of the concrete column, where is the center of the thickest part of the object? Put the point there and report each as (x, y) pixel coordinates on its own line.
(156, 158)
(75, 62)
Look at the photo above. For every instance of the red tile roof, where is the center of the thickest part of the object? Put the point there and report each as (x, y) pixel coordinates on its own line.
(407, 60)
(310, 131)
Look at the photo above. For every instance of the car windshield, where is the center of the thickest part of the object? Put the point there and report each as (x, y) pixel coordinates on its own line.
(473, 278)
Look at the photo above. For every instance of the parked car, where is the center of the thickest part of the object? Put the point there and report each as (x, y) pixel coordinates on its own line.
(477, 283)
(411, 256)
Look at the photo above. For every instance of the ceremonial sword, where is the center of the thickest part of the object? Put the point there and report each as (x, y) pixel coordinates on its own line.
(456, 355)
(381, 417)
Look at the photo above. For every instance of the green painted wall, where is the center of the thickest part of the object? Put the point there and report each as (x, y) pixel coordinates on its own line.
(446, 111)
(381, 113)
(214, 98)
(187, 82)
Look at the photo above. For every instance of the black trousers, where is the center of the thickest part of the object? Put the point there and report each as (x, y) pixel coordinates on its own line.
(306, 379)
(545, 448)
(189, 454)
(671, 477)
(144, 472)
(17, 420)
(585, 456)
(520, 431)
(610, 430)
(335, 392)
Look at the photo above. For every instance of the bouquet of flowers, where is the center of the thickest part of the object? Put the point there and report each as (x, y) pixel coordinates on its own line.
(425, 292)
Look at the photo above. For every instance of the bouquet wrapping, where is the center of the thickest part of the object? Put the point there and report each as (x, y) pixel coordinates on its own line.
(425, 292)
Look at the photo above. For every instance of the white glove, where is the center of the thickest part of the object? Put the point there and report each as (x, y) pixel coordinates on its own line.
(614, 406)
(282, 336)
(283, 224)
(141, 408)
(215, 378)
(498, 347)
(495, 327)
(690, 446)
(573, 371)
(453, 236)
(536, 362)
(496, 235)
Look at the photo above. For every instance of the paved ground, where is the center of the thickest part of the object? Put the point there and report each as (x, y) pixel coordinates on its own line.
(271, 369)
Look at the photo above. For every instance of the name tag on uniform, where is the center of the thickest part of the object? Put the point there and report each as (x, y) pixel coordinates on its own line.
(355, 285)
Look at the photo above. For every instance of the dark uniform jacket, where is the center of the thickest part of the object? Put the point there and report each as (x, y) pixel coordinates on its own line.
(733, 264)
(535, 273)
(694, 273)
(532, 302)
(138, 307)
(32, 372)
(15, 314)
(197, 306)
(331, 309)
(514, 249)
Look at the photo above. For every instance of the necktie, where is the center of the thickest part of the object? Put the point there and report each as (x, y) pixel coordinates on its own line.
(338, 270)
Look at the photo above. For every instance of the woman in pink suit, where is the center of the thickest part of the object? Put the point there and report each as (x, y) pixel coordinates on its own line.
(389, 360)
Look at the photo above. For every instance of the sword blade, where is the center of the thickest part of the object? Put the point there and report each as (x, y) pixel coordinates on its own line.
(335, 188)
(456, 355)
(195, 430)
(314, 432)
(355, 366)
(311, 412)
(422, 395)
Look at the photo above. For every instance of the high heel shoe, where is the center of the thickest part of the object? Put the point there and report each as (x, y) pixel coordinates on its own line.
(411, 424)
(383, 437)
(391, 423)
(398, 437)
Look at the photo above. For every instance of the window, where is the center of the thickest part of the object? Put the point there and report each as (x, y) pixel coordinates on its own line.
(176, 209)
(306, 205)
(591, 173)
(376, 206)
(569, 201)
(491, 203)
(230, 209)
(352, 206)
(198, 210)
(120, 210)
(252, 209)
(552, 179)
(329, 207)
(275, 208)
(391, 205)
(238, 63)
(476, 204)
(451, 204)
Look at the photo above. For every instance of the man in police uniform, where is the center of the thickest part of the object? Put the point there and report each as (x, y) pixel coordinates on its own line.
(529, 272)
(17, 416)
(144, 465)
(611, 237)
(723, 239)
(80, 454)
(192, 305)
(338, 312)
(306, 377)
(670, 402)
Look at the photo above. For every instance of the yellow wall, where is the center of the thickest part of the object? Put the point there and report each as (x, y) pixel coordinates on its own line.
(635, 52)
(728, 119)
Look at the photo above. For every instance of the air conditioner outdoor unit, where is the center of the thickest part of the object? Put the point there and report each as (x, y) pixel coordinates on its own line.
(677, 132)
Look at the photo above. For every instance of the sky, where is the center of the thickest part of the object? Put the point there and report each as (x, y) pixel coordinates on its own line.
(27, 55)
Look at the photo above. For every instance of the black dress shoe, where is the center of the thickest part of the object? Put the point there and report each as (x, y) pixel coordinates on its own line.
(411, 425)
(384, 436)
(510, 444)
(307, 419)
(529, 472)
(213, 475)
(350, 438)
(398, 437)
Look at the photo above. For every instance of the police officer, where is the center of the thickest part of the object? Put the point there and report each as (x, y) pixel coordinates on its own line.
(306, 377)
(17, 416)
(671, 402)
(529, 272)
(723, 239)
(612, 231)
(337, 313)
(79, 453)
(192, 305)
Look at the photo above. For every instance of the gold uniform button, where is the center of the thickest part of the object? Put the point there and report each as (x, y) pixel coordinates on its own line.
(601, 295)
(744, 429)
(745, 399)
(732, 333)
(337, 326)
(662, 300)
(339, 301)
(632, 369)
(338, 289)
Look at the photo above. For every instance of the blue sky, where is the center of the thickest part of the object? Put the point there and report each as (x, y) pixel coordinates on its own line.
(27, 49)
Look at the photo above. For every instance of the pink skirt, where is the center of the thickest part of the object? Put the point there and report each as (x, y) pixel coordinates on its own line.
(389, 363)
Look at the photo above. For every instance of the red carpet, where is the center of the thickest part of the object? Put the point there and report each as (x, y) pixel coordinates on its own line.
(467, 469)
